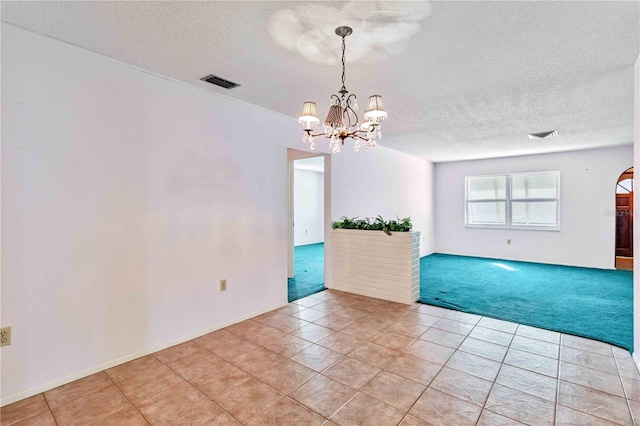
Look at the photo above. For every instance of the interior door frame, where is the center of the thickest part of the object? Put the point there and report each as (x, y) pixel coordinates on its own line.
(622, 176)
(292, 155)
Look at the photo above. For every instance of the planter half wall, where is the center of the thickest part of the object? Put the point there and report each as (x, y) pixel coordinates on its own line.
(374, 264)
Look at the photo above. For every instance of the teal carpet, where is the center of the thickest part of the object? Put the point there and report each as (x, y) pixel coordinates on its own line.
(594, 303)
(309, 271)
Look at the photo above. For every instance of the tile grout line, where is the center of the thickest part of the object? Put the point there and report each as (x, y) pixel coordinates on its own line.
(559, 373)
(502, 364)
(562, 336)
(421, 393)
(382, 369)
(289, 358)
(456, 349)
(88, 394)
(624, 388)
(406, 413)
(185, 381)
(48, 408)
(427, 386)
(210, 399)
(401, 351)
(415, 339)
(344, 405)
(370, 314)
(233, 388)
(125, 395)
(493, 384)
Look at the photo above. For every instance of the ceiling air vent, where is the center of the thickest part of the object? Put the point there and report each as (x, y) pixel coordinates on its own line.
(219, 81)
(543, 135)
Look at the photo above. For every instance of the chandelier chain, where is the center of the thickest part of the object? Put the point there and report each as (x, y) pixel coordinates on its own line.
(343, 65)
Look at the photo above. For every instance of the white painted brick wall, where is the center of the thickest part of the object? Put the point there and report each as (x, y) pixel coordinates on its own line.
(374, 264)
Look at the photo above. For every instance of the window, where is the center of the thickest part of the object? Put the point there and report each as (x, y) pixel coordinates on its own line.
(624, 186)
(513, 201)
(487, 200)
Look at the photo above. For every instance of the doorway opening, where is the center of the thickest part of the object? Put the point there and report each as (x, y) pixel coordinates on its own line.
(307, 230)
(624, 221)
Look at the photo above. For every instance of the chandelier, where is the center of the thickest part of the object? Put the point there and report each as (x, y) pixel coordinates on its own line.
(342, 121)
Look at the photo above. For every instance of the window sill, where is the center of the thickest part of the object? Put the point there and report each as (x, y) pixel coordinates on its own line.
(515, 227)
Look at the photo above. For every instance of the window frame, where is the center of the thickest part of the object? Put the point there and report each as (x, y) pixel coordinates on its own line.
(509, 200)
(486, 200)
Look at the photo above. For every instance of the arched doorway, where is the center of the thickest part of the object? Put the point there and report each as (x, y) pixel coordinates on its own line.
(624, 220)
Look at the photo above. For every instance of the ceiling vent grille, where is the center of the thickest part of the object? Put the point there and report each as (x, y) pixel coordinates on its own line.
(219, 81)
(543, 135)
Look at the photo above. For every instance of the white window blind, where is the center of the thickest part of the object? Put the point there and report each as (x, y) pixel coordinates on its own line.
(517, 201)
(487, 200)
(534, 200)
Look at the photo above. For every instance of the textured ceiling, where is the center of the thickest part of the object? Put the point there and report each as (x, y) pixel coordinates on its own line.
(460, 80)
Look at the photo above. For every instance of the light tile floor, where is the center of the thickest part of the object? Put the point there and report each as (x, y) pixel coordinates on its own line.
(336, 358)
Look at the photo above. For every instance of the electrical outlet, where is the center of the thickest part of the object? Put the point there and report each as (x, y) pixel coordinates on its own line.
(223, 285)
(5, 336)
(508, 242)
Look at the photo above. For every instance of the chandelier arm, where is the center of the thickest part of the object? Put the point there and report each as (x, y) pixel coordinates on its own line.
(348, 124)
(316, 134)
(357, 136)
(352, 110)
(352, 135)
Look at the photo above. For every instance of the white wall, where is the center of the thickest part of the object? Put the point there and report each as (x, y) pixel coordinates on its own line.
(636, 226)
(126, 198)
(387, 183)
(587, 206)
(308, 207)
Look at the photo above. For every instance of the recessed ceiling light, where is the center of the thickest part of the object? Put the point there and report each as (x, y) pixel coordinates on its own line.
(543, 135)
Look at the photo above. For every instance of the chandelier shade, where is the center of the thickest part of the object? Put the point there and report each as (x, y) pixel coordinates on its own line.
(375, 109)
(335, 118)
(309, 115)
(368, 123)
(342, 120)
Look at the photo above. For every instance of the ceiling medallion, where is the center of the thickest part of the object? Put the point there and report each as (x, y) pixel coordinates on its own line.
(342, 121)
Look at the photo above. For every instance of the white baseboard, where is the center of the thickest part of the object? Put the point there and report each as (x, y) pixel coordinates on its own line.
(73, 377)
(513, 259)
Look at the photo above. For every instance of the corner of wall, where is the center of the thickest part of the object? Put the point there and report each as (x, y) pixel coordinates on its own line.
(636, 227)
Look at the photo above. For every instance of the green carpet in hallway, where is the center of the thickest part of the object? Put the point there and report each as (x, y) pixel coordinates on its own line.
(309, 271)
(593, 303)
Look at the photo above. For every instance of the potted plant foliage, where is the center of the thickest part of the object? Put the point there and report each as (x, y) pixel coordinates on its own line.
(375, 224)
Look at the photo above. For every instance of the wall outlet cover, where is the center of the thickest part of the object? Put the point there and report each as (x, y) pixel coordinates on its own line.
(5, 336)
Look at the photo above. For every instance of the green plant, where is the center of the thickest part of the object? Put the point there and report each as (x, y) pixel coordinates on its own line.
(374, 224)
